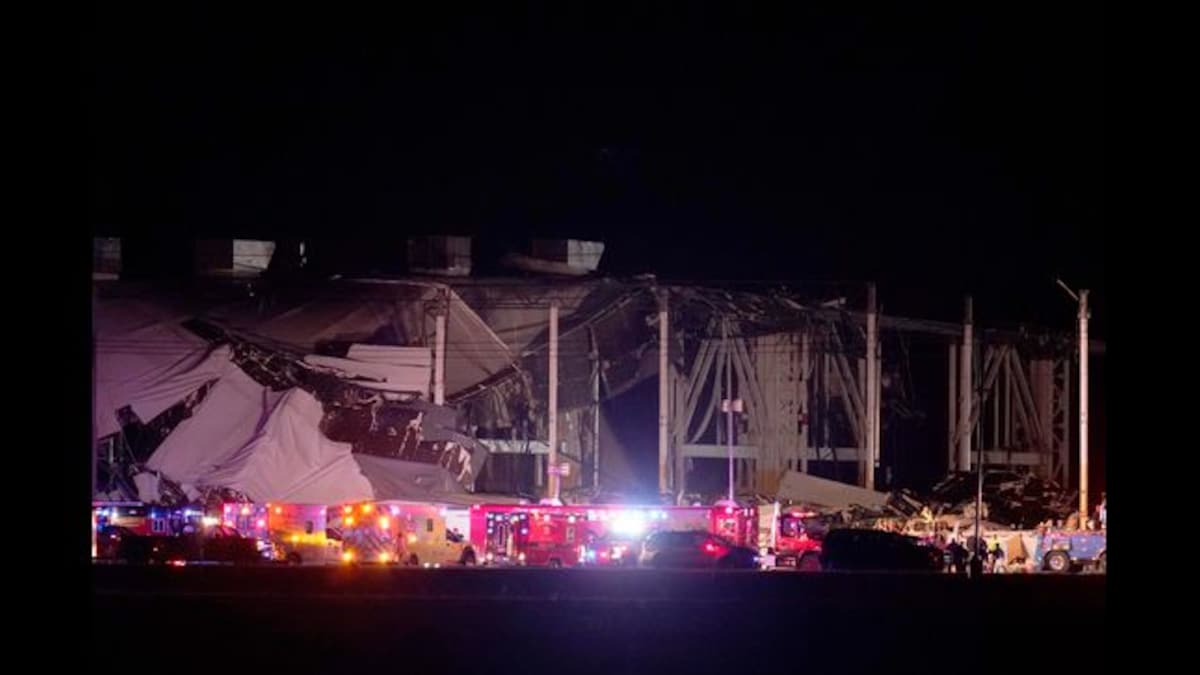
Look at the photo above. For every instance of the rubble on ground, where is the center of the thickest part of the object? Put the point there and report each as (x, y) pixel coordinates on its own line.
(1020, 501)
(1010, 501)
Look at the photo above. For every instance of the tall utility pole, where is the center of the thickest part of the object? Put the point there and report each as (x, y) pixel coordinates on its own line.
(92, 441)
(871, 419)
(728, 402)
(595, 407)
(553, 470)
(1082, 299)
(664, 394)
(439, 357)
(1083, 406)
(806, 372)
(976, 553)
(965, 391)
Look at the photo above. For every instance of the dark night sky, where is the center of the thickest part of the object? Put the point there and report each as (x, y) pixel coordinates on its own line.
(934, 150)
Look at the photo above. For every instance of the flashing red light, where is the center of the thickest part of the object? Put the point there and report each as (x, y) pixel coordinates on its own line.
(710, 547)
(728, 510)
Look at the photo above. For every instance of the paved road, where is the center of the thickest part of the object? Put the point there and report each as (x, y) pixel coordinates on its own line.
(608, 621)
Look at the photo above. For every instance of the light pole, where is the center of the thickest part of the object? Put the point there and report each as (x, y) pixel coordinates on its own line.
(968, 398)
(1082, 299)
(554, 478)
(728, 403)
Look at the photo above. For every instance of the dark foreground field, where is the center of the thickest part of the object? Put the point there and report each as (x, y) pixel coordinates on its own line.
(372, 620)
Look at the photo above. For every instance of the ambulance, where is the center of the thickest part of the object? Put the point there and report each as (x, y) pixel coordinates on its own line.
(287, 533)
(401, 533)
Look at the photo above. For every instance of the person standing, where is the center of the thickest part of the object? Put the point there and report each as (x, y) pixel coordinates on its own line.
(960, 555)
(997, 558)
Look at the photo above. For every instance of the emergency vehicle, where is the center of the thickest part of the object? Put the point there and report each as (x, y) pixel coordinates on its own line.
(140, 533)
(139, 518)
(398, 532)
(791, 539)
(289, 533)
(594, 534)
(111, 519)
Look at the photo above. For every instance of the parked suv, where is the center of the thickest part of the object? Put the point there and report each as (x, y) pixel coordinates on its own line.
(876, 550)
(695, 549)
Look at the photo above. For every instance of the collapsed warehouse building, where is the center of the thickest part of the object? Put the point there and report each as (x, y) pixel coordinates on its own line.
(441, 383)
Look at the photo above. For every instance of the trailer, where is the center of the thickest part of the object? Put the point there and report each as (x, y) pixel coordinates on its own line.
(1063, 551)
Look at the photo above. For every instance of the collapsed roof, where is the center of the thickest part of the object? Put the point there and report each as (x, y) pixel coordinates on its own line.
(219, 360)
(210, 371)
(268, 445)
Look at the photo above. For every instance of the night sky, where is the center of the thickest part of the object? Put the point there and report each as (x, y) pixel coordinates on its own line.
(934, 150)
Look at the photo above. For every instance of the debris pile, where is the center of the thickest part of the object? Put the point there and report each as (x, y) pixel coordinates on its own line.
(1018, 500)
(1010, 501)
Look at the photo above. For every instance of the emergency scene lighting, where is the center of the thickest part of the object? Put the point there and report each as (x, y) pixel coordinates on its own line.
(626, 339)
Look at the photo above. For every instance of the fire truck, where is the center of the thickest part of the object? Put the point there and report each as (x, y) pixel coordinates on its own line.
(794, 539)
(140, 533)
(569, 536)
(398, 532)
(112, 521)
(289, 533)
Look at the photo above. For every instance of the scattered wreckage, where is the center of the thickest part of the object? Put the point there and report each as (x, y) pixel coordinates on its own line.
(1031, 521)
(1010, 501)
